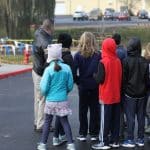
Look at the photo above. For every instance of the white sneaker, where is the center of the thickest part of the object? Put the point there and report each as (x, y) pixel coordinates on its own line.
(94, 138)
(71, 146)
(62, 138)
(114, 145)
(56, 141)
(100, 146)
(41, 146)
(81, 138)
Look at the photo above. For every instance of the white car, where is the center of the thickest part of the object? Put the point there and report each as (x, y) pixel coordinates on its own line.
(149, 15)
(80, 15)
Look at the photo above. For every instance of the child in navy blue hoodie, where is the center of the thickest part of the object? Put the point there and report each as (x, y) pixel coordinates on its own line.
(86, 62)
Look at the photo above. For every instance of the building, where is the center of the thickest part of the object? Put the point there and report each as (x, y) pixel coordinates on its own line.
(68, 7)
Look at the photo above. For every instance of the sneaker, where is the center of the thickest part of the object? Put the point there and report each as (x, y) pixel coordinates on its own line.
(140, 142)
(71, 146)
(81, 138)
(114, 145)
(94, 137)
(100, 146)
(128, 143)
(41, 146)
(62, 138)
(57, 141)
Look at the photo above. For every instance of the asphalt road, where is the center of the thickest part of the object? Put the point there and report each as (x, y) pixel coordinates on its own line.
(16, 116)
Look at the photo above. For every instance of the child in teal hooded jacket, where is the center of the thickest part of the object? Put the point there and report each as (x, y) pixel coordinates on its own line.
(56, 83)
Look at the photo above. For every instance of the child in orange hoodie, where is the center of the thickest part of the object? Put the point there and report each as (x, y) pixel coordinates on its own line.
(109, 77)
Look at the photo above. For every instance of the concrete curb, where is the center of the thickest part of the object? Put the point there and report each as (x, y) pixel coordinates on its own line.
(14, 73)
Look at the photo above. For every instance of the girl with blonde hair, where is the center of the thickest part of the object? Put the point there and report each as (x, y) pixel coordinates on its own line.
(86, 62)
(87, 44)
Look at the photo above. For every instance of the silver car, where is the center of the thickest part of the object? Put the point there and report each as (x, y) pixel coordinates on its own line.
(80, 15)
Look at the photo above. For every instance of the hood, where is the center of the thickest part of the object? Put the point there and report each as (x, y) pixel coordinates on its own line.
(40, 32)
(54, 52)
(64, 53)
(134, 47)
(108, 48)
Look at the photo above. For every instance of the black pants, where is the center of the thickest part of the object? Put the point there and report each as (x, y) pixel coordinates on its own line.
(134, 107)
(58, 128)
(88, 100)
(46, 128)
(110, 123)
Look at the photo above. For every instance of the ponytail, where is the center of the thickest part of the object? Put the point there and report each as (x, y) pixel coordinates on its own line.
(57, 67)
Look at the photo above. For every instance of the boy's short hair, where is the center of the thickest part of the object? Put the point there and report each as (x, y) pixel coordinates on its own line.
(117, 38)
(65, 39)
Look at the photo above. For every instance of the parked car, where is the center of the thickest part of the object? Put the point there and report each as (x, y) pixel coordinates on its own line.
(143, 14)
(149, 15)
(95, 14)
(124, 16)
(80, 15)
(108, 14)
(115, 15)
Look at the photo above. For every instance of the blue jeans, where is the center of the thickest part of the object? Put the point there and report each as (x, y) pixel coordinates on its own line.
(135, 107)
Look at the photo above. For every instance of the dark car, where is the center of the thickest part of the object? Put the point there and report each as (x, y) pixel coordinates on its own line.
(143, 14)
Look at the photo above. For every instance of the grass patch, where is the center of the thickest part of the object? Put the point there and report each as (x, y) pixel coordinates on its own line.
(143, 32)
(11, 59)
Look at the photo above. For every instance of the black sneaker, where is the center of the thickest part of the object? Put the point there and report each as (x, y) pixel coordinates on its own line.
(81, 138)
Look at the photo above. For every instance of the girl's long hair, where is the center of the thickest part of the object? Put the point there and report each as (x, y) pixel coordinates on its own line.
(87, 44)
(57, 67)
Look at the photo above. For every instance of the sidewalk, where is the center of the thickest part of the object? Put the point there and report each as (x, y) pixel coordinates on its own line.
(7, 70)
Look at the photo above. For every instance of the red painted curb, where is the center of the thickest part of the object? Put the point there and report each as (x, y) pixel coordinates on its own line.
(14, 73)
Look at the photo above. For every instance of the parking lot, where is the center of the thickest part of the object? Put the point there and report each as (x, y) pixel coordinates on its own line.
(16, 113)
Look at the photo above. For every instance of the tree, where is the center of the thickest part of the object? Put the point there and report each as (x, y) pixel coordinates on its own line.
(44, 11)
(18, 15)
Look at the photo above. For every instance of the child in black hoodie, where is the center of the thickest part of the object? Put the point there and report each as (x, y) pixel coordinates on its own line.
(66, 40)
(135, 79)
